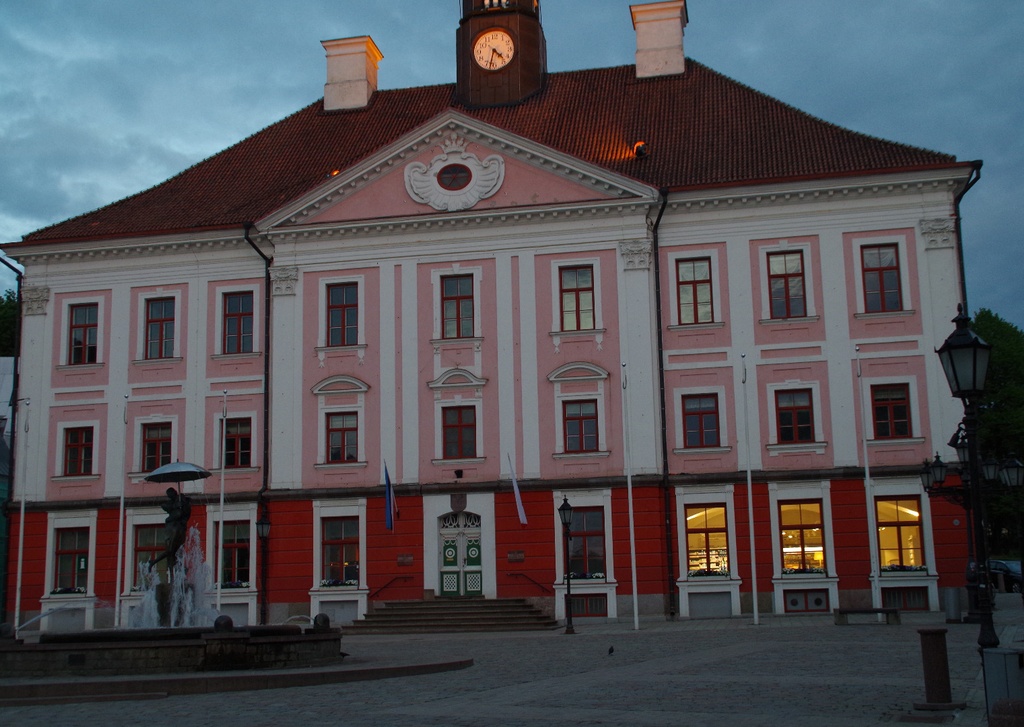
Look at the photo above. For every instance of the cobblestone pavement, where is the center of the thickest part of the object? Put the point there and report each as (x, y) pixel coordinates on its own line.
(793, 670)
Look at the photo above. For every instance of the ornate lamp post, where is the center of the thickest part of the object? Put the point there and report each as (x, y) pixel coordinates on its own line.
(263, 535)
(565, 515)
(965, 358)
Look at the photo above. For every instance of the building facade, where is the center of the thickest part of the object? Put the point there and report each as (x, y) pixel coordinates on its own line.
(637, 289)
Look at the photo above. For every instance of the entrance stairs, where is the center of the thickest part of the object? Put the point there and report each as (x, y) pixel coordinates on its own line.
(453, 616)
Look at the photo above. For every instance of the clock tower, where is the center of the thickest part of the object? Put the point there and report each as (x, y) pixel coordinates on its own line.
(502, 59)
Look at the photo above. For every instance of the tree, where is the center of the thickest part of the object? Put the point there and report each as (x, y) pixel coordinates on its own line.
(8, 320)
(1001, 425)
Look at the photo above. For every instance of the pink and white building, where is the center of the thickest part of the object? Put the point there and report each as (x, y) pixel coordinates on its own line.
(647, 279)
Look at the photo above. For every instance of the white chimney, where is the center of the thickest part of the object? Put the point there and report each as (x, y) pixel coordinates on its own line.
(351, 72)
(659, 38)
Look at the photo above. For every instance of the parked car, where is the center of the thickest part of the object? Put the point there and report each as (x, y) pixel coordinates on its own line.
(1010, 571)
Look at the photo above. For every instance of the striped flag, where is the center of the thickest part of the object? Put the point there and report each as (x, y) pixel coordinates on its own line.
(515, 490)
(390, 506)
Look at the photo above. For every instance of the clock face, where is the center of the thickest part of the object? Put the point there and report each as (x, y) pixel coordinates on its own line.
(493, 50)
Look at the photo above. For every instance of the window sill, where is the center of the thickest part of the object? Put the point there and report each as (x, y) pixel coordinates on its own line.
(904, 573)
(235, 471)
(464, 460)
(702, 450)
(235, 356)
(813, 447)
(96, 366)
(77, 479)
(474, 341)
(581, 333)
(686, 327)
(68, 597)
(908, 313)
(340, 465)
(581, 455)
(895, 441)
(169, 360)
(795, 319)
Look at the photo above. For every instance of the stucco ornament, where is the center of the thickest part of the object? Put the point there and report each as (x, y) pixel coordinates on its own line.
(484, 177)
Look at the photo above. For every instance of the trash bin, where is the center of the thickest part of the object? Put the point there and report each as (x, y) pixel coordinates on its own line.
(951, 601)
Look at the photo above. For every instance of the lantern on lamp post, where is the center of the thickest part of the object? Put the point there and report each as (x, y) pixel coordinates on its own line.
(565, 515)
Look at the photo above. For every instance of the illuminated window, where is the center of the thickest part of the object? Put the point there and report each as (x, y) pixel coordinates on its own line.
(458, 432)
(576, 285)
(707, 540)
(457, 306)
(700, 421)
(795, 416)
(900, 545)
(77, 451)
(71, 559)
(343, 314)
(83, 333)
(801, 530)
(238, 323)
(580, 422)
(786, 284)
(340, 543)
(890, 405)
(156, 446)
(342, 437)
(160, 328)
(881, 270)
(693, 281)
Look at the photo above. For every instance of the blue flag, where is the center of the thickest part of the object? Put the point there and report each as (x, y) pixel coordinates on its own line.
(389, 500)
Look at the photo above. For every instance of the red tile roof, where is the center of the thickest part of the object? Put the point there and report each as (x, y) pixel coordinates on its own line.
(701, 128)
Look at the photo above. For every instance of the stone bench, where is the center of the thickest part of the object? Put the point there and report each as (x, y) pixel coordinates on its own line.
(842, 615)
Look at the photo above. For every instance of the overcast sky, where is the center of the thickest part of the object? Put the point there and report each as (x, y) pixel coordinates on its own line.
(100, 99)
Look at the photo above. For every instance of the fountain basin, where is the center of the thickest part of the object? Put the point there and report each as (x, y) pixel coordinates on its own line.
(114, 652)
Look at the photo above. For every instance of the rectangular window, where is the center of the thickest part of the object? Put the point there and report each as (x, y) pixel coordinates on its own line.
(71, 571)
(786, 284)
(238, 443)
(795, 416)
(343, 314)
(458, 432)
(83, 333)
(586, 548)
(342, 437)
(457, 306)
(156, 446)
(238, 323)
(580, 420)
(803, 543)
(235, 573)
(77, 451)
(890, 404)
(700, 421)
(149, 545)
(881, 269)
(576, 285)
(900, 546)
(340, 560)
(707, 540)
(160, 328)
(693, 281)
(590, 604)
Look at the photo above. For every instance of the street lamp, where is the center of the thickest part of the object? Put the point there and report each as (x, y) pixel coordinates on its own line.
(565, 515)
(965, 356)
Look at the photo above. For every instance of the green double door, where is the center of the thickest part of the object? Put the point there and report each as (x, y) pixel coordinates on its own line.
(461, 557)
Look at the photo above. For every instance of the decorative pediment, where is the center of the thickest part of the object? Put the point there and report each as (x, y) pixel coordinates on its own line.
(577, 371)
(456, 164)
(340, 385)
(457, 379)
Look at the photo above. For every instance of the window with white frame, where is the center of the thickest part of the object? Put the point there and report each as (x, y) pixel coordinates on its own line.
(786, 289)
(579, 409)
(802, 536)
(576, 296)
(701, 421)
(707, 539)
(880, 268)
(890, 411)
(694, 291)
(342, 314)
(157, 445)
(160, 328)
(237, 322)
(341, 401)
(78, 451)
(71, 545)
(84, 330)
(339, 540)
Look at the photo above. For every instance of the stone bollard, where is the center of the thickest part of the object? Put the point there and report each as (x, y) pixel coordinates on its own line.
(937, 693)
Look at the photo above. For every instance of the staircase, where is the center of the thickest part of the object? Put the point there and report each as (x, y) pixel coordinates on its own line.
(452, 616)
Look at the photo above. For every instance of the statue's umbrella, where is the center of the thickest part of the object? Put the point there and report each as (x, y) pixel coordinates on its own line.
(178, 472)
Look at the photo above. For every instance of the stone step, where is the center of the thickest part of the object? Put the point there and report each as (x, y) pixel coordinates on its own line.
(461, 615)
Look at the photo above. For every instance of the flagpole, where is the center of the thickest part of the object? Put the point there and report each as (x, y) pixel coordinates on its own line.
(876, 595)
(629, 496)
(515, 491)
(750, 494)
(223, 466)
(21, 535)
(120, 532)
